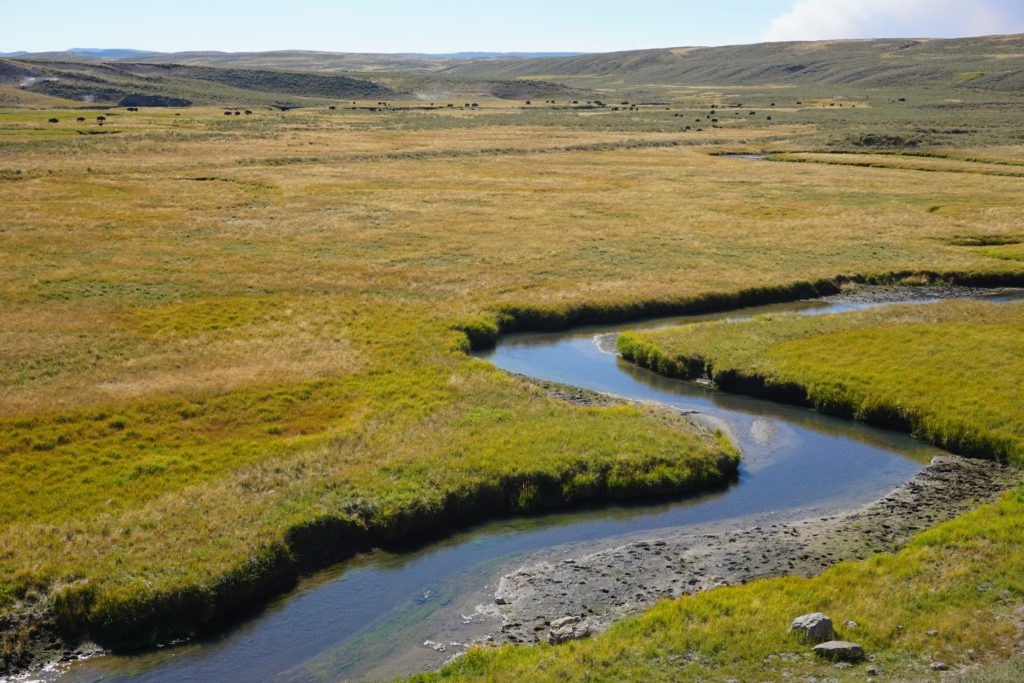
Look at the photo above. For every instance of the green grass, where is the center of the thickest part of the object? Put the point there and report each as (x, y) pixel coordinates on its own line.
(942, 372)
(211, 385)
(148, 518)
(958, 363)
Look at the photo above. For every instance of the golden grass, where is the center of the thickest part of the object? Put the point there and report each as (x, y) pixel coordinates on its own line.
(213, 331)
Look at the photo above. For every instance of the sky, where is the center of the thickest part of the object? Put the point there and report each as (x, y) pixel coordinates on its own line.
(439, 26)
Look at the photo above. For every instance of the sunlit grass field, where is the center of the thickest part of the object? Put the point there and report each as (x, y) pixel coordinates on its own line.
(231, 347)
(952, 596)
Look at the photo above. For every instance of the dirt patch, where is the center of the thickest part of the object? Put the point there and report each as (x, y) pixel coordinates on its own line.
(571, 394)
(895, 294)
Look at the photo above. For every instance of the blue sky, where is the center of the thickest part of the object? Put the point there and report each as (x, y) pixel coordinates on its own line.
(450, 26)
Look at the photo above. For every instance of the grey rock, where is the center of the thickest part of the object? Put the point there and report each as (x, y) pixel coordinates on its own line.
(939, 666)
(874, 671)
(816, 627)
(566, 629)
(839, 650)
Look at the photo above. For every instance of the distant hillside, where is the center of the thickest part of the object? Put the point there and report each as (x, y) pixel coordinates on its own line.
(104, 53)
(991, 63)
(300, 78)
(111, 82)
(493, 55)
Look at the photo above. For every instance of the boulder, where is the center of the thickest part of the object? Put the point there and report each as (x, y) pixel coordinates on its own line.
(839, 650)
(816, 627)
(567, 628)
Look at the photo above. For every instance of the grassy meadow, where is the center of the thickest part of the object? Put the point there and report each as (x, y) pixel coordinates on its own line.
(232, 348)
(952, 596)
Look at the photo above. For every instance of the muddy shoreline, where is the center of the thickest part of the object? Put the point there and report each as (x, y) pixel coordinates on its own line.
(601, 588)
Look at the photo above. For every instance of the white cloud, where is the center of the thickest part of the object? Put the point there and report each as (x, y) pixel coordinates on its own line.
(828, 19)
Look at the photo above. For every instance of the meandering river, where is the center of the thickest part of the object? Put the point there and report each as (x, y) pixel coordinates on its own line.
(387, 614)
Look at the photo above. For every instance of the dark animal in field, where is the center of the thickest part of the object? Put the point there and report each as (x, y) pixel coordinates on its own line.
(80, 119)
(332, 107)
(133, 108)
(101, 119)
(54, 120)
(227, 113)
(238, 113)
(248, 112)
(529, 102)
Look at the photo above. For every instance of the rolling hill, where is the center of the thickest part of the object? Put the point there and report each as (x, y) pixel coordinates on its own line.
(993, 64)
(989, 63)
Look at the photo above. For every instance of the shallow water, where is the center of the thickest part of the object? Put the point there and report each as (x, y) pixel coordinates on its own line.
(370, 617)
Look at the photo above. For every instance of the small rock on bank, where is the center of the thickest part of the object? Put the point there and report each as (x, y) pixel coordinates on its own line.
(839, 650)
(566, 629)
(816, 627)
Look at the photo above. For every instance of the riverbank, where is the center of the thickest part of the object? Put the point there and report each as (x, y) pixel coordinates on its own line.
(604, 587)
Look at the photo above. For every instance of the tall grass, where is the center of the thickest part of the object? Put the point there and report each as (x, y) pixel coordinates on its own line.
(210, 385)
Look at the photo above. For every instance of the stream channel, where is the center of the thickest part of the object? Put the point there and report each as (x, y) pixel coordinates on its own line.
(391, 613)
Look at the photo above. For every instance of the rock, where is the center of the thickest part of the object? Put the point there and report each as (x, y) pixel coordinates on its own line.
(436, 647)
(874, 671)
(500, 601)
(931, 632)
(938, 666)
(566, 629)
(850, 623)
(816, 627)
(840, 650)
